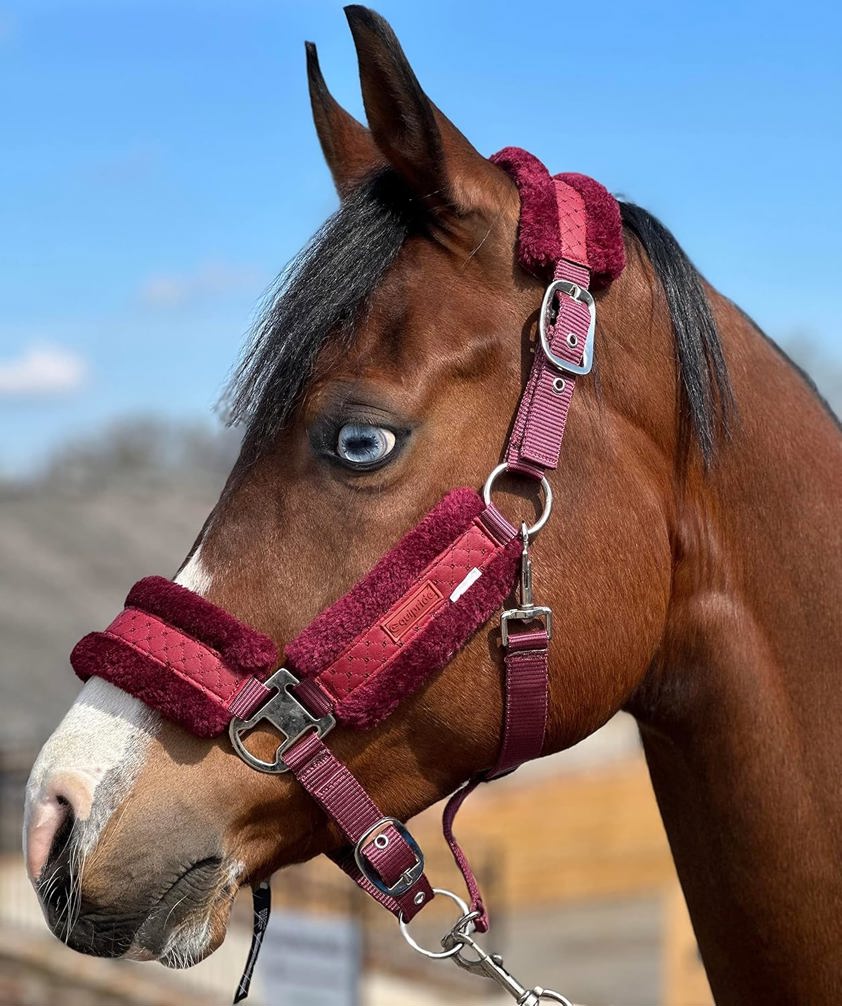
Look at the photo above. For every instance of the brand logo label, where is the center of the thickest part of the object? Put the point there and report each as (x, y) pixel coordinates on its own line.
(419, 604)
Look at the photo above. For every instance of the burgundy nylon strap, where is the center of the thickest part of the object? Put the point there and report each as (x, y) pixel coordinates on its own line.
(535, 442)
(526, 699)
(336, 790)
(369, 658)
(524, 725)
(534, 446)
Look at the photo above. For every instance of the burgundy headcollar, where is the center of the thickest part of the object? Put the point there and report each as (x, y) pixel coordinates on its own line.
(398, 626)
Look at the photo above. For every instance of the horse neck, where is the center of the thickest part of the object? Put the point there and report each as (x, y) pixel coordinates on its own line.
(739, 713)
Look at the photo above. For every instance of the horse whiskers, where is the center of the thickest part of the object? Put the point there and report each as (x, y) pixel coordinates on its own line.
(72, 902)
(76, 890)
(186, 944)
(47, 886)
(169, 913)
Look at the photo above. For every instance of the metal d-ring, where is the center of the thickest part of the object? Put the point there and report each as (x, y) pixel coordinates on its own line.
(546, 489)
(438, 955)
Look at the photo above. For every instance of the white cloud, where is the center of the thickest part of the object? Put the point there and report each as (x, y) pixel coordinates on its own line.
(211, 279)
(42, 370)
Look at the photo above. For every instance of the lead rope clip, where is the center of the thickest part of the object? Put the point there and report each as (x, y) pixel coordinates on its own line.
(527, 610)
(459, 938)
(486, 965)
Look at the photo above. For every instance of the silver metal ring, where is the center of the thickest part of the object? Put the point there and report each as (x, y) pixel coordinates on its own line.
(559, 384)
(435, 954)
(546, 489)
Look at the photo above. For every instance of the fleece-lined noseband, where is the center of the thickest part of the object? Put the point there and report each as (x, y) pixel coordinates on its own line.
(399, 625)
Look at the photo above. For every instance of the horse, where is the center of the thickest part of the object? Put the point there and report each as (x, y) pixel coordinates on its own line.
(694, 569)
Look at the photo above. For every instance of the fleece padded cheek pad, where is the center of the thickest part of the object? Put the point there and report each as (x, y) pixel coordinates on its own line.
(406, 619)
(199, 666)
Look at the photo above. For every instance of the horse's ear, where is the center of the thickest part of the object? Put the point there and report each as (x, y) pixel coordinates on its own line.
(349, 148)
(437, 161)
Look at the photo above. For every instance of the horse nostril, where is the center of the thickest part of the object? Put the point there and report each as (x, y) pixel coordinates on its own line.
(63, 832)
(50, 820)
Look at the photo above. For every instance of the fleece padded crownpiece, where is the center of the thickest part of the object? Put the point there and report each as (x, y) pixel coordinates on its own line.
(539, 238)
(405, 620)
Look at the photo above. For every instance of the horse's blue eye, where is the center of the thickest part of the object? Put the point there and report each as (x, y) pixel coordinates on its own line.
(362, 444)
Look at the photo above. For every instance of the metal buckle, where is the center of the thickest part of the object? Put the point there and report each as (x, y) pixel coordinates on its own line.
(376, 834)
(534, 611)
(287, 714)
(583, 296)
(527, 610)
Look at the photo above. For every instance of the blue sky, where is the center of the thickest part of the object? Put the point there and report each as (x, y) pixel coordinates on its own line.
(159, 166)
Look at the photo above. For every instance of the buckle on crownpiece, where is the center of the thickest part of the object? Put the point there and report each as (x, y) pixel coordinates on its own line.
(583, 296)
(376, 834)
(284, 712)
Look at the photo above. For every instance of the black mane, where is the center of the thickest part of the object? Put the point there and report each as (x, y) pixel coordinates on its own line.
(322, 295)
(705, 400)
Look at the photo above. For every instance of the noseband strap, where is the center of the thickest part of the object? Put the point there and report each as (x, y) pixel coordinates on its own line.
(421, 603)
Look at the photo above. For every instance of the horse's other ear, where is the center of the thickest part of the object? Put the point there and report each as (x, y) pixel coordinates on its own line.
(434, 158)
(349, 148)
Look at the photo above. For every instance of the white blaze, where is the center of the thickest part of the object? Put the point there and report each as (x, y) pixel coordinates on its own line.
(194, 576)
(100, 745)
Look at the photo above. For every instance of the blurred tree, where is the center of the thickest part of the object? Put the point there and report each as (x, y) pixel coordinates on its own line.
(146, 449)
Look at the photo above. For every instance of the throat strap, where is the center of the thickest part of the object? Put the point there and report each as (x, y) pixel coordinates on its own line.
(566, 329)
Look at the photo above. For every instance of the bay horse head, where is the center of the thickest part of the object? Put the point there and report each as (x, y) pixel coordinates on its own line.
(386, 371)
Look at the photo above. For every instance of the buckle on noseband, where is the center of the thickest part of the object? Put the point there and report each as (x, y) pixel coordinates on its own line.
(376, 835)
(583, 296)
(287, 714)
